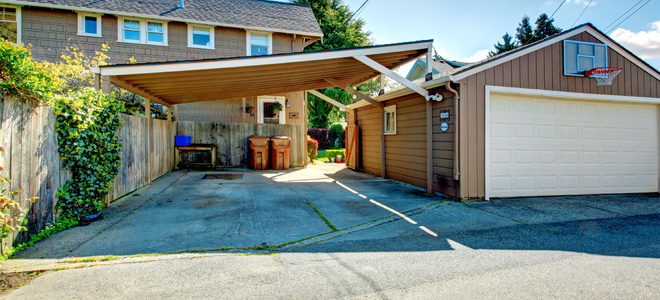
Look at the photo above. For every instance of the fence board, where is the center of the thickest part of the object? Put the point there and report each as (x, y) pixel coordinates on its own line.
(232, 143)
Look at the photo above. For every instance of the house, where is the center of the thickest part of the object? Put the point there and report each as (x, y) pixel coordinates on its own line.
(171, 30)
(524, 123)
(441, 67)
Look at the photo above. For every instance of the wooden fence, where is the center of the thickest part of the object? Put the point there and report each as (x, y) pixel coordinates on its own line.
(32, 162)
(232, 139)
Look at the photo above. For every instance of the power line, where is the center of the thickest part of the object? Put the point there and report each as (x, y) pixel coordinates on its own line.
(553, 14)
(585, 9)
(621, 16)
(630, 15)
(547, 23)
(356, 11)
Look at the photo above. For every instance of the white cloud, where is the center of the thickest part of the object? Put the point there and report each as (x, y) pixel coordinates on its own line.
(477, 56)
(645, 44)
(582, 2)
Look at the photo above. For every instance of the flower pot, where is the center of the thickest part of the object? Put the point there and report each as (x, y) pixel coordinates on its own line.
(339, 160)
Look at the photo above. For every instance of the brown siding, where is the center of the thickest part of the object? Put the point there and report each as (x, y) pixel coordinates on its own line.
(406, 151)
(369, 119)
(52, 30)
(542, 69)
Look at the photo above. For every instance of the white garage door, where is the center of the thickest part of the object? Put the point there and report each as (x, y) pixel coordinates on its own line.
(542, 146)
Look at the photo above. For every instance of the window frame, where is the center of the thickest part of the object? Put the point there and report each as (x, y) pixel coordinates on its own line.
(211, 37)
(391, 109)
(81, 24)
(260, 107)
(248, 41)
(19, 22)
(144, 38)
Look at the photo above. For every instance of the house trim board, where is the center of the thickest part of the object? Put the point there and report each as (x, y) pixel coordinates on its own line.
(155, 17)
(489, 90)
(330, 100)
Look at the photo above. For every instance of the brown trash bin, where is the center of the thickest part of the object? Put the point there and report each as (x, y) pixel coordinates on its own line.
(258, 153)
(279, 152)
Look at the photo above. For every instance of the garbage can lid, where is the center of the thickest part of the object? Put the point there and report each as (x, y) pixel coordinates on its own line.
(258, 137)
(280, 137)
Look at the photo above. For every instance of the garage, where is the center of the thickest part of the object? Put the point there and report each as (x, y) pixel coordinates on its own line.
(543, 146)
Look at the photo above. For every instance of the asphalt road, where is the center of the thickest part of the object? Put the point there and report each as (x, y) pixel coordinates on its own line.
(590, 247)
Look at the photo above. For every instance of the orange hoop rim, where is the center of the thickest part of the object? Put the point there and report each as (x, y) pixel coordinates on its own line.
(602, 71)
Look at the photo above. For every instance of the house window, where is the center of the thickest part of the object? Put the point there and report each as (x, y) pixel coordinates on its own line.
(143, 31)
(259, 43)
(266, 114)
(89, 24)
(200, 36)
(390, 120)
(10, 24)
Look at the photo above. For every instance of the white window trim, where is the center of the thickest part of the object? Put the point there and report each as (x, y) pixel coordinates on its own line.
(260, 107)
(143, 31)
(19, 23)
(389, 109)
(248, 41)
(190, 36)
(81, 24)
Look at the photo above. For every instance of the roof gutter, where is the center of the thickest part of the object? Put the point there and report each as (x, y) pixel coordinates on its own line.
(156, 17)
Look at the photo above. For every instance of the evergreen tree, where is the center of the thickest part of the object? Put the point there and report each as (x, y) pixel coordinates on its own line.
(545, 28)
(508, 45)
(524, 32)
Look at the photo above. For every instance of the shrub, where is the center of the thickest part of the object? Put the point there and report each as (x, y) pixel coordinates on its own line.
(312, 148)
(321, 135)
(332, 154)
(336, 136)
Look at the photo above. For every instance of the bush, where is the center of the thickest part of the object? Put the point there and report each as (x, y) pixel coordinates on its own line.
(320, 135)
(312, 148)
(336, 136)
(332, 154)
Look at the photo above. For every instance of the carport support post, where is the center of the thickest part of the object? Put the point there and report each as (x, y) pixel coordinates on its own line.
(147, 108)
(429, 147)
(169, 113)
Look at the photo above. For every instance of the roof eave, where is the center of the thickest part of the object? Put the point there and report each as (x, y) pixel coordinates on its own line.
(403, 91)
(155, 17)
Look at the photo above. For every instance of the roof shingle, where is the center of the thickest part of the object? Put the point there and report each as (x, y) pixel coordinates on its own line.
(250, 14)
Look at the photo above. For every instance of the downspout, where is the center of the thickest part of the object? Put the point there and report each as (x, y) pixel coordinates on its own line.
(457, 97)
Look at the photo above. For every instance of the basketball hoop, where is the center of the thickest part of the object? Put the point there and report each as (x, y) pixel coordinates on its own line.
(603, 75)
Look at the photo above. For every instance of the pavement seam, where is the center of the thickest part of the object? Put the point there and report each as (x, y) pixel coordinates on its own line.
(126, 215)
(511, 219)
(310, 204)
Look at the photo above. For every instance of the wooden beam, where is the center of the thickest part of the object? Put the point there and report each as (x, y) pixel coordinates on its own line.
(380, 68)
(329, 100)
(138, 91)
(147, 108)
(351, 90)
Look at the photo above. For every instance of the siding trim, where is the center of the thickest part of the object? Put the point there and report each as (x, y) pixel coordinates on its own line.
(489, 89)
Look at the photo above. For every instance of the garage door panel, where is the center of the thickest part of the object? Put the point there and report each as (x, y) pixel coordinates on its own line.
(541, 146)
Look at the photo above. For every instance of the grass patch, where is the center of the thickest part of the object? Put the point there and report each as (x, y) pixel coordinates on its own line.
(323, 155)
(92, 259)
(12, 281)
(327, 222)
(73, 267)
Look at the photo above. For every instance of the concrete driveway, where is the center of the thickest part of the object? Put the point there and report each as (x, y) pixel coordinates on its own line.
(234, 210)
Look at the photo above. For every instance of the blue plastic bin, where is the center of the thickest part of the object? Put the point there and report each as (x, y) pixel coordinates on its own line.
(182, 140)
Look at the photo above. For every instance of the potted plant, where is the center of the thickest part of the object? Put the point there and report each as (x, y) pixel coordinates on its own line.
(339, 158)
(275, 107)
(249, 109)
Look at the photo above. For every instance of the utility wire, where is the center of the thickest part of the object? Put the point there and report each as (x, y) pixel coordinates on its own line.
(585, 9)
(553, 14)
(621, 16)
(356, 11)
(546, 24)
(617, 25)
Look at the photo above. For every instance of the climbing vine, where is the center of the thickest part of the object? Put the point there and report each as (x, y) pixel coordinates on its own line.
(87, 125)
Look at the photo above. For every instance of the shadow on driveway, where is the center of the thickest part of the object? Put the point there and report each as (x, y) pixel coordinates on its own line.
(328, 208)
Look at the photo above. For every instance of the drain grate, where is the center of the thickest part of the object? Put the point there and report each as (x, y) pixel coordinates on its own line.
(227, 176)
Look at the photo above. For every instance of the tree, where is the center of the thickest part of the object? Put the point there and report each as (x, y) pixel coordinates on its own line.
(340, 30)
(525, 35)
(508, 45)
(524, 32)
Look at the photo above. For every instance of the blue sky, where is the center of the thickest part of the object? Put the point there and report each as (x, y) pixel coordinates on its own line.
(464, 29)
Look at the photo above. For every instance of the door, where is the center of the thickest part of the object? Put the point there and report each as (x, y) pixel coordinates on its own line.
(352, 146)
(540, 146)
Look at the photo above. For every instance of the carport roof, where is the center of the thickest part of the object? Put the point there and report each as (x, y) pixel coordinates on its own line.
(216, 79)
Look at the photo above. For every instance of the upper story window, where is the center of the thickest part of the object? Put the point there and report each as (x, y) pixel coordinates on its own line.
(390, 120)
(151, 32)
(201, 36)
(259, 43)
(89, 24)
(10, 24)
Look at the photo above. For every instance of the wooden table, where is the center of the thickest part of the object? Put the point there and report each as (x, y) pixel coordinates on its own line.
(189, 156)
